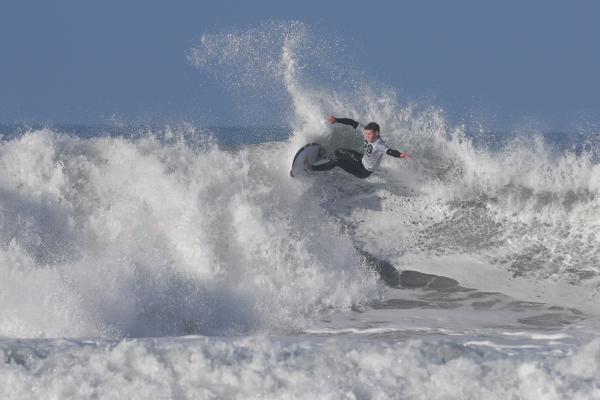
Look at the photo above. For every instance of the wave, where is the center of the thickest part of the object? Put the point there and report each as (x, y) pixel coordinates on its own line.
(110, 236)
(167, 233)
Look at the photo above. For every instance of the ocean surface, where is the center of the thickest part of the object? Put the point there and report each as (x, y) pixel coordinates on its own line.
(181, 261)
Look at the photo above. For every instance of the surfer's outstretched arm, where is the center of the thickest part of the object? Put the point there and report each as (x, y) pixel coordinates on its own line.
(343, 121)
(397, 154)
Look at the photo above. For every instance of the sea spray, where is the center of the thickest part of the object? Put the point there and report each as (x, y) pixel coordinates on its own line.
(142, 237)
(522, 186)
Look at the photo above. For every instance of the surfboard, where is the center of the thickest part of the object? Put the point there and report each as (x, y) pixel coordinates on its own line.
(311, 153)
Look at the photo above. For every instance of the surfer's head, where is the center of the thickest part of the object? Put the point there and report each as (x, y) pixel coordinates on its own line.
(371, 131)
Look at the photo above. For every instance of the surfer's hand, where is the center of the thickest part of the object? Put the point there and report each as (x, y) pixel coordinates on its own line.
(405, 155)
(331, 119)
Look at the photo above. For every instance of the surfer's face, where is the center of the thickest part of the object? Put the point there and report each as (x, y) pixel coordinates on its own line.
(370, 136)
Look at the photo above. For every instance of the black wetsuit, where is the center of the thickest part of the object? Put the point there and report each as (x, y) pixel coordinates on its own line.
(349, 160)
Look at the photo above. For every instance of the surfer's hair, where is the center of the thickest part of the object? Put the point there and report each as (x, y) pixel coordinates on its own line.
(372, 126)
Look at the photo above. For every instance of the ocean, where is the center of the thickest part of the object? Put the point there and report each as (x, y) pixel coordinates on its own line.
(180, 261)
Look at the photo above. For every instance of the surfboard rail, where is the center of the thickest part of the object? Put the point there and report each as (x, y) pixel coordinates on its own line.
(310, 151)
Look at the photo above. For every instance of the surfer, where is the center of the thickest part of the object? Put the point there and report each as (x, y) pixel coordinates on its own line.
(353, 162)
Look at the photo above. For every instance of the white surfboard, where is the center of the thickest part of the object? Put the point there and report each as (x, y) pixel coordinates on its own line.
(311, 153)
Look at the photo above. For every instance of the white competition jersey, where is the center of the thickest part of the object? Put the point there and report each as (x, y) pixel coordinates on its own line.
(373, 152)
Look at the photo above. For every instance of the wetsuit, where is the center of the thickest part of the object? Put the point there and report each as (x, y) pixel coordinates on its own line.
(358, 164)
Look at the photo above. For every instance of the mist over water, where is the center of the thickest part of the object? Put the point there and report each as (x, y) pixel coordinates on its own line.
(489, 245)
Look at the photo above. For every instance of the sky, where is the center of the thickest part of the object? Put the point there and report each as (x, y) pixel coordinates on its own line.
(502, 62)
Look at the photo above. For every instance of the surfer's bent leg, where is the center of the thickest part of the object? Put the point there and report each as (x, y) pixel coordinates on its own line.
(348, 160)
(340, 154)
(331, 164)
(354, 167)
(348, 154)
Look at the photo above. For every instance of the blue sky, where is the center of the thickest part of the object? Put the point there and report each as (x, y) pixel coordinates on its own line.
(504, 62)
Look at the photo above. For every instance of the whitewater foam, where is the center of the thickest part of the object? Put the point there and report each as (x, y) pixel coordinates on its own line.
(142, 237)
(276, 368)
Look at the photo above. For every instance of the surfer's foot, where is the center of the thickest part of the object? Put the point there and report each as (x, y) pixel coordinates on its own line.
(307, 166)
